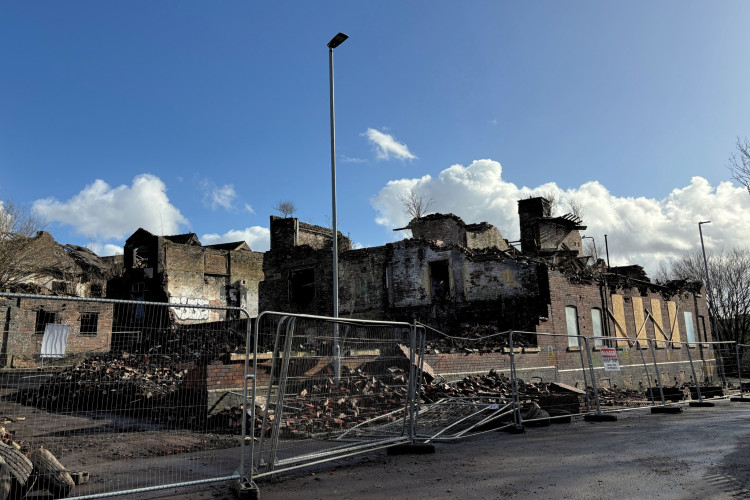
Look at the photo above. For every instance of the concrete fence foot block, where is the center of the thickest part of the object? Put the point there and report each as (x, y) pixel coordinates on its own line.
(246, 489)
(593, 417)
(79, 477)
(666, 409)
(740, 400)
(701, 404)
(412, 449)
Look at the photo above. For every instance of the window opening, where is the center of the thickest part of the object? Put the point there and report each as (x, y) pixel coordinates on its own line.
(42, 319)
(96, 290)
(302, 284)
(89, 322)
(571, 318)
(439, 280)
(140, 258)
(596, 321)
(689, 330)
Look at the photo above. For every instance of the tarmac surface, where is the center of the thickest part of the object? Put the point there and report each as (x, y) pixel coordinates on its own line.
(697, 454)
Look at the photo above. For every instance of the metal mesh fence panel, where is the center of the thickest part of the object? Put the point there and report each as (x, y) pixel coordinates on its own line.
(549, 376)
(466, 386)
(127, 396)
(623, 372)
(326, 388)
(716, 368)
(449, 419)
(742, 362)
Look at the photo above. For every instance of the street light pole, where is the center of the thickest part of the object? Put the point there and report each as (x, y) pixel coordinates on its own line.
(711, 311)
(335, 42)
(593, 241)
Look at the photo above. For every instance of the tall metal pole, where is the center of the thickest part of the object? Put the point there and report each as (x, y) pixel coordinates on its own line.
(335, 42)
(711, 311)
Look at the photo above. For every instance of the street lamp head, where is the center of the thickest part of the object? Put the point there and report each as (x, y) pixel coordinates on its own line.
(704, 222)
(337, 40)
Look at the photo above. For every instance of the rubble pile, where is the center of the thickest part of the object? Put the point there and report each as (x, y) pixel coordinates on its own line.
(199, 345)
(493, 384)
(322, 408)
(147, 385)
(479, 339)
(548, 395)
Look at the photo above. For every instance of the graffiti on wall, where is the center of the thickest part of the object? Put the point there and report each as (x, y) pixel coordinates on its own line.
(190, 313)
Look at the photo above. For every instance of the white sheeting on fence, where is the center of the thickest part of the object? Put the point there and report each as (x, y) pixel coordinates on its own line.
(55, 341)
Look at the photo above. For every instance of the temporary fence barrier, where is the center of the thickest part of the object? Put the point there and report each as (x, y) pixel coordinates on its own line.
(717, 366)
(449, 419)
(129, 396)
(630, 373)
(549, 376)
(325, 388)
(742, 362)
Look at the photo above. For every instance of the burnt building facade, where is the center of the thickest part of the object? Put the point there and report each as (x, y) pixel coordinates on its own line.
(179, 270)
(450, 274)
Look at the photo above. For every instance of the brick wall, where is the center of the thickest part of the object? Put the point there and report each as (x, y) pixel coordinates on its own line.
(289, 232)
(484, 235)
(21, 344)
(362, 283)
(586, 297)
(448, 228)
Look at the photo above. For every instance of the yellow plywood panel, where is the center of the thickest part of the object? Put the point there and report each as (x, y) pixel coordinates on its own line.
(618, 314)
(674, 325)
(640, 321)
(658, 322)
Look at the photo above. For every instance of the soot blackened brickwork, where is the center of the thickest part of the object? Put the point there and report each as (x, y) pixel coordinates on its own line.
(179, 270)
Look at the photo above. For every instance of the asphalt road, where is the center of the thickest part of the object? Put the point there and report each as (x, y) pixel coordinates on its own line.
(700, 453)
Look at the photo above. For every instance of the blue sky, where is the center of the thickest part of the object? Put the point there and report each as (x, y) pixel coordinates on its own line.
(201, 116)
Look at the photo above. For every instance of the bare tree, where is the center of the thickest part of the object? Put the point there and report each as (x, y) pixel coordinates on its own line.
(592, 248)
(21, 254)
(729, 300)
(286, 208)
(575, 207)
(553, 200)
(415, 205)
(739, 163)
(663, 273)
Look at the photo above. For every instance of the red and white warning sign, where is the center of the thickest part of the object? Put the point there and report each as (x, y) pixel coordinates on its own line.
(609, 357)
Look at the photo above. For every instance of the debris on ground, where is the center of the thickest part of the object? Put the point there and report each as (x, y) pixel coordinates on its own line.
(144, 385)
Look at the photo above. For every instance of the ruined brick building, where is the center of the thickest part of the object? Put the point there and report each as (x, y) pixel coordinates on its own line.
(449, 274)
(179, 270)
(56, 270)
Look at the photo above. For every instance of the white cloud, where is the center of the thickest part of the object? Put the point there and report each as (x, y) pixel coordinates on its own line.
(347, 159)
(215, 196)
(259, 238)
(101, 211)
(386, 145)
(639, 230)
(105, 250)
(249, 208)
